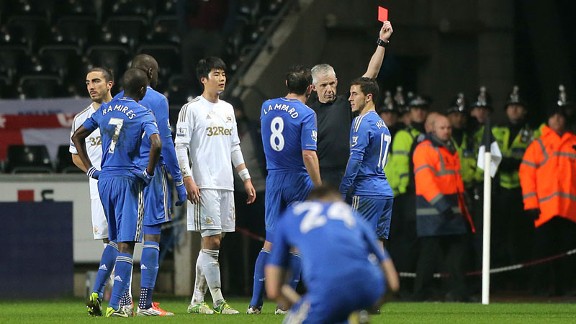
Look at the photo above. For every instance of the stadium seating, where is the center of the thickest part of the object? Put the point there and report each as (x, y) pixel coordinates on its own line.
(64, 162)
(33, 86)
(30, 29)
(60, 58)
(75, 29)
(113, 57)
(28, 159)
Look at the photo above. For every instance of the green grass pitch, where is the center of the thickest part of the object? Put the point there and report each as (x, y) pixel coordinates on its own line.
(74, 311)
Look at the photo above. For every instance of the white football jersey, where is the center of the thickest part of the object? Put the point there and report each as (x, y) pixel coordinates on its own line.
(93, 145)
(209, 132)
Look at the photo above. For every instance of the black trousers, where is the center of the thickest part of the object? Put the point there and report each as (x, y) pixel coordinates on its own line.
(554, 277)
(442, 252)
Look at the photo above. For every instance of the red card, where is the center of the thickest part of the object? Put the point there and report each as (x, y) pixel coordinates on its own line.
(382, 14)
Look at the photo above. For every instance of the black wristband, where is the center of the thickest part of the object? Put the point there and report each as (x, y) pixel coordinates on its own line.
(383, 43)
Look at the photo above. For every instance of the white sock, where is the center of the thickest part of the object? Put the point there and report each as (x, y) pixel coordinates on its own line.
(200, 285)
(211, 271)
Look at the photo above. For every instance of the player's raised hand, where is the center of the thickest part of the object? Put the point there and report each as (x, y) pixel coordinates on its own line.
(192, 190)
(386, 31)
(250, 191)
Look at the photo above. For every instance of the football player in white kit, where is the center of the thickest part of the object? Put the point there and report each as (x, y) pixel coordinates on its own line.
(99, 82)
(207, 144)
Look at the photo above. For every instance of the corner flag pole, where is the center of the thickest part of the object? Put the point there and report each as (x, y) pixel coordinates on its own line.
(487, 141)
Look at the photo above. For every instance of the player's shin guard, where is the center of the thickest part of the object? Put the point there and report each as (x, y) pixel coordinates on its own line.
(122, 278)
(149, 271)
(211, 270)
(295, 269)
(258, 287)
(106, 266)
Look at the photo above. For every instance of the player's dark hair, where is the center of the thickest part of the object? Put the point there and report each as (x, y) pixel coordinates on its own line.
(324, 191)
(368, 86)
(298, 79)
(133, 80)
(108, 76)
(208, 64)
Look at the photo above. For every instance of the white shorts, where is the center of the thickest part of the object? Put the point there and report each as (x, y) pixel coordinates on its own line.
(99, 222)
(215, 212)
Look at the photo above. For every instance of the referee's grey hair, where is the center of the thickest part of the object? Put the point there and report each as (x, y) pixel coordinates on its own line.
(321, 69)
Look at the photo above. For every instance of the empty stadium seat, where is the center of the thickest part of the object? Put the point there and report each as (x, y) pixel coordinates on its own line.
(11, 59)
(60, 59)
(64, 162)
(33, 86)
(128, 30)
(164, 30)
(75, 30)
(113, 57)
(33, 29)
(28, 159)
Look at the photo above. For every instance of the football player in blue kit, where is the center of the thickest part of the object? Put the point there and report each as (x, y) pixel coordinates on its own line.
(158, 194)
(289, 137)
(364, 183)
(344, 267)
(123, 124)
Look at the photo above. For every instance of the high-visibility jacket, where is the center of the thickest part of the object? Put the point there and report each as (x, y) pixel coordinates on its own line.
(398, 168)
(439, 187)
(468, 154)
(548, 176)
(513, 148)
(478, 136)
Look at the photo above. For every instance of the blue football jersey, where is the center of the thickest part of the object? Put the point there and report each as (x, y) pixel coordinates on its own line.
(123, 123)
(334, 242)
(369, 142)
(288, 127)
(158, 104)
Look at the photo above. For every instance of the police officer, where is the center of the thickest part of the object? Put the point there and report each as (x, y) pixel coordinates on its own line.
(512, 231)
(403, 241)
(389, 114)
(462, 140)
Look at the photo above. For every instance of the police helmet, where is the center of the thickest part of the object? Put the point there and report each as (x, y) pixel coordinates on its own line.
(388, 104)
(483, 99)
(400, 101)
(514, 98)
(458, 104)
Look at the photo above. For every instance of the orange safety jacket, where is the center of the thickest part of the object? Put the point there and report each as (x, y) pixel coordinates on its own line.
(548, 176)
(439, 187)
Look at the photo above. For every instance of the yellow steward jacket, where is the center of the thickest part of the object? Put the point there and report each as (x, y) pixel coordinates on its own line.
(548, 176)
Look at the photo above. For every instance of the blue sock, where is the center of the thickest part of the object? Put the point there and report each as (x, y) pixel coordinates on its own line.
(149, 270)
(295, 269)
(258, 288)
(122, 276)
(106, 266)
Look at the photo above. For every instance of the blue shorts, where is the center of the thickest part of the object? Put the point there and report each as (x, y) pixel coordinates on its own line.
(152, 229)
(332, 303)
(283, 189)
(377, 211)
(158, 198)
(123, 203)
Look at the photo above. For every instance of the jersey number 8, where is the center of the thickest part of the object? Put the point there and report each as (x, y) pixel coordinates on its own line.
(276, 138)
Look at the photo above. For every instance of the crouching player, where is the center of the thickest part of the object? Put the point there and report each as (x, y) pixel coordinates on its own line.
(343, 265)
